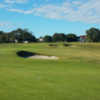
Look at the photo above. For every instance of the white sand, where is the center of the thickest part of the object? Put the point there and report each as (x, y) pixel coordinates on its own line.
(44, 57)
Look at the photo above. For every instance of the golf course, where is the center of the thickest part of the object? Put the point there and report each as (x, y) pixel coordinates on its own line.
(74, 76)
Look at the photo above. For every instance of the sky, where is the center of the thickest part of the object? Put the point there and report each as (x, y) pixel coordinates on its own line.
(46, 17)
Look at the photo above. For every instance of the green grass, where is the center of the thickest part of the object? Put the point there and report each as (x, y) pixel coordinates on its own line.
(75, 76)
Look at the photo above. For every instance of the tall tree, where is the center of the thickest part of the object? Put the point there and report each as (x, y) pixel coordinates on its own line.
(4, 37)
(57, 37)
(22, 35)
(93, 35)
(1, 35)
(47, 38)
(71, 37)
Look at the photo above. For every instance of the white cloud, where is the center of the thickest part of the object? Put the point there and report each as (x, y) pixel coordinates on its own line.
(87, 12)
(3, 5)
(16, 1)
(7, 25)
(77, 3)
(21, 11)
(84, 12)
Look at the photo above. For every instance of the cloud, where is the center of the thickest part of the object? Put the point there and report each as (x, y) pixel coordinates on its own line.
(16, 1)
(3, 5)
(21, 11)
(6, 25)
(76, 11)
(87, 12)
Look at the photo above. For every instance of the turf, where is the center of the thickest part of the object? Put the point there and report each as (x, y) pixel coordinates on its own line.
(75, 76)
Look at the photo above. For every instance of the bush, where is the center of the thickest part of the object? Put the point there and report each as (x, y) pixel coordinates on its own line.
(66, 45)
(52, 45)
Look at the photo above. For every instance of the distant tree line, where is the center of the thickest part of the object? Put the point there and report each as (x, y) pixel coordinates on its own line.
(92, 35)
(21, 35)
(61, 37)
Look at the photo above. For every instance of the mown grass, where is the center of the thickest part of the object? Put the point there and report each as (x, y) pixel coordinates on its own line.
(75, 76)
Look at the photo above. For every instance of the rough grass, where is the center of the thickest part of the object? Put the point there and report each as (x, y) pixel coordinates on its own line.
(75, 76)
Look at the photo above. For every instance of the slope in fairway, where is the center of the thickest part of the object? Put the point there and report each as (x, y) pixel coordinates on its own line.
(75, 76)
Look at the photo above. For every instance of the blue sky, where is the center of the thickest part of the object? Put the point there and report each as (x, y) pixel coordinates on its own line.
(45, 17)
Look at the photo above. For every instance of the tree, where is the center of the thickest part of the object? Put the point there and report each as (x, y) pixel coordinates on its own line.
(1, 34)
(3, 37)
(93, 35)
(71, 37)
(19, 34)
(47, 38)
(22, 35)
(58, 37)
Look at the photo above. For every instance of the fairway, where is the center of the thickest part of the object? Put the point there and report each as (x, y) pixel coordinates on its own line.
(74, 76)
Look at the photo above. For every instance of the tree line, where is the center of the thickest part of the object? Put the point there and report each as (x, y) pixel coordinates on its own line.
(21, 35)
(92, 35)
(61, 37)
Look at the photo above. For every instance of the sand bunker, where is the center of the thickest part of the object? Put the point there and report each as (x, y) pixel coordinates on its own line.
(31, 55)
(43, 57)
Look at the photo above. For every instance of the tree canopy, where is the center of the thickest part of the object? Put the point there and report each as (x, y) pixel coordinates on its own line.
(71, 37)
(19, 34)
(93, 35)
(47, 38)
(58, 37)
